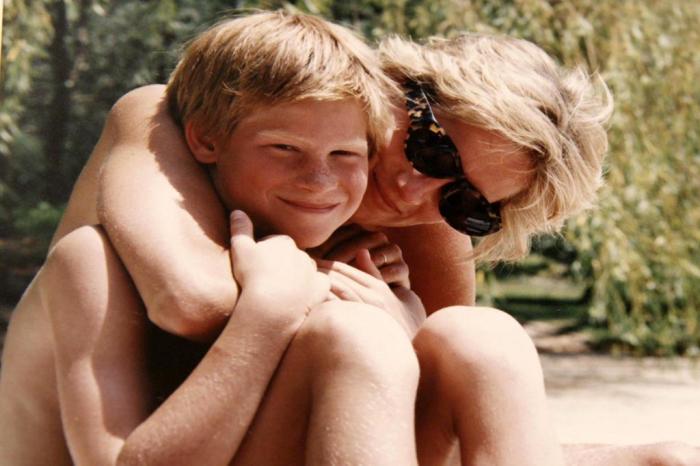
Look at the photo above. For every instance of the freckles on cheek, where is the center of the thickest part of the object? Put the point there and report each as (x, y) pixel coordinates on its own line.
(359, 182)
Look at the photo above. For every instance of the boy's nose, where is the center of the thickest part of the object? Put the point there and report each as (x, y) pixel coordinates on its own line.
(316, 175)
(416, 188)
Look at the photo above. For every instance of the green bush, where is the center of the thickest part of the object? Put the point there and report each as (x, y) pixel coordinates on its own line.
(637, 252)
(642, 244)
(38, 222)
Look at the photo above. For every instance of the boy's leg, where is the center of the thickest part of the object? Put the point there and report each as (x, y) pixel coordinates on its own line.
(481, 385)
(98, 325)
(343, 394)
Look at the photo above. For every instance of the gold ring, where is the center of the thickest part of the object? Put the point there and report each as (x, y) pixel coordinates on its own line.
(384, 260)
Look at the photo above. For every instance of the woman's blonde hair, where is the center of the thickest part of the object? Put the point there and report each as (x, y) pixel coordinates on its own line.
(513, 87)
(270, 58)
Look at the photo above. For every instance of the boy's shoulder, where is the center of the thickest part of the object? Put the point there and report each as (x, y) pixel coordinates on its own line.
(138, 105)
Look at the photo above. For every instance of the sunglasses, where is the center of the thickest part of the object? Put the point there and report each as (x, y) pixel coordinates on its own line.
(431, 151)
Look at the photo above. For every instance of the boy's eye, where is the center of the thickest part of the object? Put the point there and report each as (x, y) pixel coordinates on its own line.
(284, 147)
(348, 153)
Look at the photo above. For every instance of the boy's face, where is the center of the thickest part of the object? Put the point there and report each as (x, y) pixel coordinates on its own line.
(298, 169)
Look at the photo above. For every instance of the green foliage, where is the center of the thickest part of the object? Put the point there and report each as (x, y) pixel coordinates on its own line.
(642, 243)
(38, 222)
(637, 252)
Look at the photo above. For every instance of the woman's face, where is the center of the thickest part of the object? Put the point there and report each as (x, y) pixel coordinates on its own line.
(398, 195)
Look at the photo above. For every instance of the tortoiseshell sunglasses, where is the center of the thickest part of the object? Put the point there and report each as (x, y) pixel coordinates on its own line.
(431, 151)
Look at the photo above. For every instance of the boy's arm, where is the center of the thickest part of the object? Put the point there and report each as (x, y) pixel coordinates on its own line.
(206, 418)
(164, 219)
(98, 329)
(100, 348)
(438, 260)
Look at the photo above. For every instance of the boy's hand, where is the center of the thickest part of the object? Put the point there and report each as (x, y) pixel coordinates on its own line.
(274, 268)
(364, 284)
(347, 242)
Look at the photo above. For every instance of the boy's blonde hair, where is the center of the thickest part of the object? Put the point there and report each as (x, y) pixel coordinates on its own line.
(271, 58)
(513, 87)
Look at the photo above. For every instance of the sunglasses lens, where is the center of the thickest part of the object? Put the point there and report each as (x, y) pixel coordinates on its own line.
(466, 212)
(433, 153)
(433, 157)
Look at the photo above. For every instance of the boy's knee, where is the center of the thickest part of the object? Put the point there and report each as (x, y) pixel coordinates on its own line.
(76, 257)
(668, 454)
(81, 244)
(483, 339)
(349, 336)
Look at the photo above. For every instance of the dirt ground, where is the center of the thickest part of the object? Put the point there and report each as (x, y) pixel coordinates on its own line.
(603, 399)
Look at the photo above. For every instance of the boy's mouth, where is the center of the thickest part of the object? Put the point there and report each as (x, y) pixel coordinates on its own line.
(311, 207)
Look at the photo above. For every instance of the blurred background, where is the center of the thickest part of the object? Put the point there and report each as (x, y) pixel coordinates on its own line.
(627, 275)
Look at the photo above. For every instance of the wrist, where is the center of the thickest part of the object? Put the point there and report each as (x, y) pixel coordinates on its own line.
(274, 311)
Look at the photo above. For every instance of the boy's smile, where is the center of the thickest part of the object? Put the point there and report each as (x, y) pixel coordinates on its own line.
(298, 169)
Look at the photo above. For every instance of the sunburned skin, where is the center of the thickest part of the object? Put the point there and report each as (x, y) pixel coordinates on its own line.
(29, 407)
(36, 434)
(31, 423)
(30, 333)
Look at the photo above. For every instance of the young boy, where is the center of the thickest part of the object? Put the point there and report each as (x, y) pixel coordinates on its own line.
(282, 111)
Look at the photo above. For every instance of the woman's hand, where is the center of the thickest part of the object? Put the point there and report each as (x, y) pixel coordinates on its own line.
(281, 275)
(349, 241)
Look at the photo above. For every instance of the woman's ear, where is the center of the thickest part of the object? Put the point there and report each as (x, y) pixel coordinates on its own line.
(200, 143)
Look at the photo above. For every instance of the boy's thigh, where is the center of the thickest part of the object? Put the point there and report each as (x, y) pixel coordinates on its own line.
(337, 338)
(277, 435)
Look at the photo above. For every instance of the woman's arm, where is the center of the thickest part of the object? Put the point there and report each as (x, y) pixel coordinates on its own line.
(438, 260)
(164, 218)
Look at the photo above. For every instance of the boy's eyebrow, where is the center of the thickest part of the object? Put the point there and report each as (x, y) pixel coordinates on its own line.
(358, 144)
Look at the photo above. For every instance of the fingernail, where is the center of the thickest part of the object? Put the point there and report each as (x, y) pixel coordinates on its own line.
(236, 214)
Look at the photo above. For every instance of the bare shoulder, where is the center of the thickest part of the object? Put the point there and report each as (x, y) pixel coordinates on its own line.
(137, 111)
(139, 99)
(129, 124)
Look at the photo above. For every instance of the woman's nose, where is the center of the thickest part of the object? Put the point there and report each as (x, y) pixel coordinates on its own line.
(416, 188)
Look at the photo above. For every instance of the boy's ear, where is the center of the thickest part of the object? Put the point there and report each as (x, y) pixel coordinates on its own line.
(201, 144)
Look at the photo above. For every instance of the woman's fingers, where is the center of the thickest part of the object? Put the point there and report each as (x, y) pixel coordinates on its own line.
(341, 235)
(385, 254)
(389, 260)
(346, 251)
(359, 276)
(396, 275)
(364, 262)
